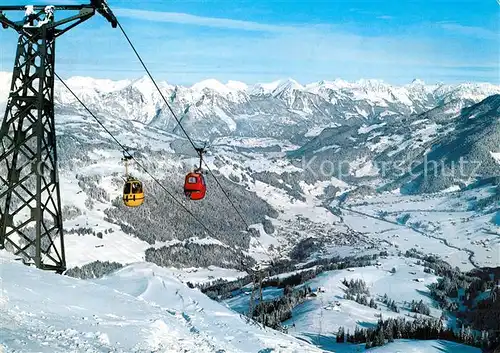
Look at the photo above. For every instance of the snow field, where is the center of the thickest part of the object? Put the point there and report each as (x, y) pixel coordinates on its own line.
(140, 308)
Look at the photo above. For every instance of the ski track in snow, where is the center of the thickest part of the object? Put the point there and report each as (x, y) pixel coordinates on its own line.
(140, 308)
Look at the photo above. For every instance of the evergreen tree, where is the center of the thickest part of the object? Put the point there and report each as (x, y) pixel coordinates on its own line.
(340, 335)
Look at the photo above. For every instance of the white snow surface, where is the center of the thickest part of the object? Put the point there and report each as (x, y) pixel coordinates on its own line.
(431, 346)
(496, 156)
(440, 223)
(317, 319)
(103, 85)
(316, 316)
(140, 308)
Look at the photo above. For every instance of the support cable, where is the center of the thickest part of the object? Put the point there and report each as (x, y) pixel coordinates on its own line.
(182, 128)
(138, 163)
(188, 138)
(195, 148)
(204, 162)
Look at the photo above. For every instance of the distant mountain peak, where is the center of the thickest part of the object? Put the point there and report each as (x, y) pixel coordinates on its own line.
(97, 84)
(219, 107)
(287, 85)
(211, 84)
(237, 85)
(417, 81)
(371, 82)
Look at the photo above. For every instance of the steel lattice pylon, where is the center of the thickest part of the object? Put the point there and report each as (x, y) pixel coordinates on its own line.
(30, 200)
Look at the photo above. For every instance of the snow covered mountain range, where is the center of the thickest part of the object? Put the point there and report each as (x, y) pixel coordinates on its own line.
(213, 109)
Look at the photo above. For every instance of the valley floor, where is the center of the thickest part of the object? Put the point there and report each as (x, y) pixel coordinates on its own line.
(445, 224)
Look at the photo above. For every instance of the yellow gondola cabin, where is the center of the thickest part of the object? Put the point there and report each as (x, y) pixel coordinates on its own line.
(133, 193)
(133, 190)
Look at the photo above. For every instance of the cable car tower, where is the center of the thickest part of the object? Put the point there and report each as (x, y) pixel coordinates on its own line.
(30, 201)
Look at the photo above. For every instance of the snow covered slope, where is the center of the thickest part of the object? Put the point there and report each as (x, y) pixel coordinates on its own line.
(317, 319)
(431, 346)
(322, 316)
(446, 146)
(259, 137)
(141, 308)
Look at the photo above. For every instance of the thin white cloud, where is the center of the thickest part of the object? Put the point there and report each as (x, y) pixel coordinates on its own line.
(301, 51)
(183, 18)
(470, 30)
(385, 17)
(325, 50)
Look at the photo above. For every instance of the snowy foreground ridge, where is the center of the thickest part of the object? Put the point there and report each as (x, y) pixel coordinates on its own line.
(140, 308)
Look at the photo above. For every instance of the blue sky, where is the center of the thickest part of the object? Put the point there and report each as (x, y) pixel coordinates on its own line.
(185, 41)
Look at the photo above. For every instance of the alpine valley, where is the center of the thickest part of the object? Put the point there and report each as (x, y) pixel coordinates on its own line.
(396, 188)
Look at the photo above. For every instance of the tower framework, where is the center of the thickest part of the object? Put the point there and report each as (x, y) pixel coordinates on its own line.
(31, 224)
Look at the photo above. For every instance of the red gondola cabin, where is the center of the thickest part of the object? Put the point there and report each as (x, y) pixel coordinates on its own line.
(194, 186)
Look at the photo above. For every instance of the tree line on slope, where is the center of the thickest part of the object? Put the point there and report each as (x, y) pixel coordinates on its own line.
(391, 304)
(222, 289)
(273, 313)
(357, 290)
(463, 295)
(420, 328)
(96, 269)
(192, 254)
